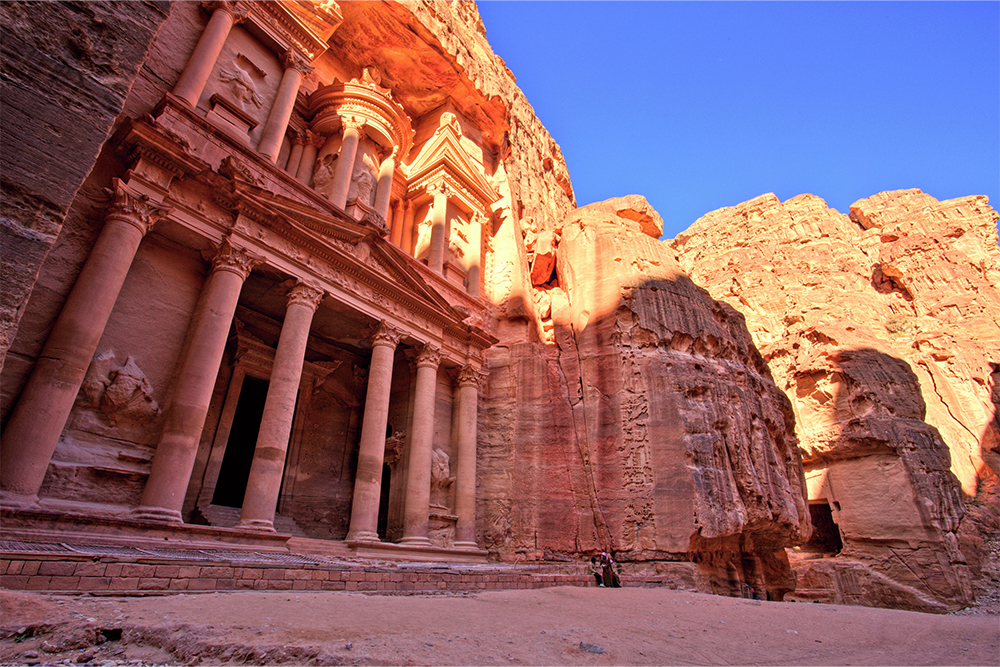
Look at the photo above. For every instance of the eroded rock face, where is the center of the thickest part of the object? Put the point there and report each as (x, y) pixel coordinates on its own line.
(67, 70)
(647, 423)
(878, 326)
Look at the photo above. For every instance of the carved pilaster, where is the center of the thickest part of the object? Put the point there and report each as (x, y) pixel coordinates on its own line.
(237, 260)
(134, 208)
(386, 334)
(305, 295)
(470, 376)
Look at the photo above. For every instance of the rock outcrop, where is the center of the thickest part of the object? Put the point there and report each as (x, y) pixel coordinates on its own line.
(879, 326)
(645, 421)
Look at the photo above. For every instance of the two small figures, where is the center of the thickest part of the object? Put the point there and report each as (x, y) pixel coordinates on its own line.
(606, 571)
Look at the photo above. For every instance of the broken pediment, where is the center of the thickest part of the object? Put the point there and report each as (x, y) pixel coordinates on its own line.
(289, 25)
(443, 156)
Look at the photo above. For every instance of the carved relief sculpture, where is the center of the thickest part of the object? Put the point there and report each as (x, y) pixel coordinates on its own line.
(241, 85)
(441, 478)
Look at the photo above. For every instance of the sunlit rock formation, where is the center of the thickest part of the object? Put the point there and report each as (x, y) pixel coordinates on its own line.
(879, 325)
(644, 421)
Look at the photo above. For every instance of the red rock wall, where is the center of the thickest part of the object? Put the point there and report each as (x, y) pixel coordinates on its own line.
(647, 423)
(67, 70)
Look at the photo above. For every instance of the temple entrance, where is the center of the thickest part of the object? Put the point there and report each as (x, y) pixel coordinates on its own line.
(235, 470)
(383, 502)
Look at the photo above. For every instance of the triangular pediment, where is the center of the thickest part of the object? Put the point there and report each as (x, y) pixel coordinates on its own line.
(343, 243)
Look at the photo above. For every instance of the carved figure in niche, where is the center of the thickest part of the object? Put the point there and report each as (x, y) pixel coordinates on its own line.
(96, 380)
(323, 174)
(394, 447)
(363, 187)
(123, 394)
(441, 477)
(242, 85)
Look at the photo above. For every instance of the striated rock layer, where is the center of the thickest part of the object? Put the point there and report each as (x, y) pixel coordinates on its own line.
(57, 59)
(645, 421)
(879, 326)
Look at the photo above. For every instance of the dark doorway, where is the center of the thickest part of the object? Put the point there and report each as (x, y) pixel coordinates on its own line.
(236, 462)
(383, 502)
(826, 535)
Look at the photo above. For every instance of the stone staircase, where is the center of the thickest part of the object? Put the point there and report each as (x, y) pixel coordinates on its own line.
(221, 516)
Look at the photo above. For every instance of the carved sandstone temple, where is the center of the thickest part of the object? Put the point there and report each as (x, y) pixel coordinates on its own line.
(321, 285)
(306, 255)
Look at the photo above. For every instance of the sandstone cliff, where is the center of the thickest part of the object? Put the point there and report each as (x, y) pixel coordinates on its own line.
(879, 326)
(57, 59)
(644, 422)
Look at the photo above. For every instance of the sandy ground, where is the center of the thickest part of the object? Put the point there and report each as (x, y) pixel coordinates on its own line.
(553, 626)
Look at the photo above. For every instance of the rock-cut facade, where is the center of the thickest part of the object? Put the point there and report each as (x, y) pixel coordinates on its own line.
(311, 276)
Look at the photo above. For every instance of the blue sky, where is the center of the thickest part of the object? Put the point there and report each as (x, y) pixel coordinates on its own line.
(700, 105)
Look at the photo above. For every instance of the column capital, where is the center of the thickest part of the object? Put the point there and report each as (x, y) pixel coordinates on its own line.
(428, 355)
(353, 122)
(470, 376)
(228, 6)
(134, 207)
(230, 258)
(386, 334)
(305, 295)
(291, 60)
(314, 139)
(438, 187)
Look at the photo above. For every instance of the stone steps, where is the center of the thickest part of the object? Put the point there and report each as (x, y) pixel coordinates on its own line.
(221, 516)
(117, 570)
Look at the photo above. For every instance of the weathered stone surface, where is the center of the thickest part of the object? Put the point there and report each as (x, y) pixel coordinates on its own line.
(67, 69)
(878, 325)
(647, 424)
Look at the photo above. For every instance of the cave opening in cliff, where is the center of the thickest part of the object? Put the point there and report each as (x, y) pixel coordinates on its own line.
(826, 534)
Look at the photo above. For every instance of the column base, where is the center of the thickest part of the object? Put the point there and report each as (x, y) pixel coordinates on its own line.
(415, 541)
(19, 501)
(264, 525)
(156, 514)
(467, 545)
(362, 536)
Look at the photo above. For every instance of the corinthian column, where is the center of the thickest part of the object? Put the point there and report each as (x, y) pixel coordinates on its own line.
(307, 162)
(33, 430)
(439, 220)
(368, 482)
(264, 482)
(418, 474)
(406, 241)
(284, 102)
(199, 66)
(469, 380)
(163, 496)
(475, 254)
(345, 163)
(383, 187)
